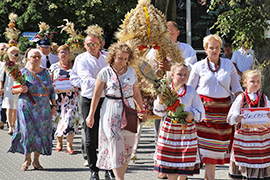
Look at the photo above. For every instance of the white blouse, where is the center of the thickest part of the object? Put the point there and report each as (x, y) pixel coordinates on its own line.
(207, 83)
(192, 103)
(235, 109)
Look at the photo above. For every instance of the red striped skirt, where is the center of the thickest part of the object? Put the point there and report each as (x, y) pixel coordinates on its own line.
(214, 133)
(252, 148)
(177, 152)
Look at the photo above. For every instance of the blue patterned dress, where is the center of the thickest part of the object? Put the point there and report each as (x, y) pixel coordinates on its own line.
(33, 129)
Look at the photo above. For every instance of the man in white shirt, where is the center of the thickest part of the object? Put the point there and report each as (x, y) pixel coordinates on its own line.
(88, 65)
(47, 59)
(243, 59)
(188, 53)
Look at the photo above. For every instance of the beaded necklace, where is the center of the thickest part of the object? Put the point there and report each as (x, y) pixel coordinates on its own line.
(252, 103)
(120, 71)
(218, 66)
(183, 93)
(64, 66)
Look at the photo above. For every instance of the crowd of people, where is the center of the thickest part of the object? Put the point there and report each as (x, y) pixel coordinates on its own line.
(40, 109)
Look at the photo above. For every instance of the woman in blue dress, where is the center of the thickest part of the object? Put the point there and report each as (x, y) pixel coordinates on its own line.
(33, 129)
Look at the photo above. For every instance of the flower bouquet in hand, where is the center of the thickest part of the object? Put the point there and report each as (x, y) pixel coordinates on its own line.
(167, 96)
(14, 71)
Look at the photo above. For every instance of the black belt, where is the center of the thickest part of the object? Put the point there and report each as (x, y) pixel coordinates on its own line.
(113, 97)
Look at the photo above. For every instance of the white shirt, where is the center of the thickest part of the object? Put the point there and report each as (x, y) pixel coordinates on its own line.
(188, 53)
(206, 82)
(2, 70)
(52, 58)
(236, 107)
(192, 103)
(74, 78)
(88, 68)
(243, 59)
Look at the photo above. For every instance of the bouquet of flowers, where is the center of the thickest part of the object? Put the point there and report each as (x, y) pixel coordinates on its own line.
(14, 71)
(167, 96)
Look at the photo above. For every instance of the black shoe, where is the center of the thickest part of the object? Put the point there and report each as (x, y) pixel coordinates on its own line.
(109, 175)
(94, 176)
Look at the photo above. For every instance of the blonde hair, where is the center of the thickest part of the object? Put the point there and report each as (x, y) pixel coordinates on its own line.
(113, 50)
(176, 65)
(63, 47)
(210, 37)
(13, 48)
(251, 71)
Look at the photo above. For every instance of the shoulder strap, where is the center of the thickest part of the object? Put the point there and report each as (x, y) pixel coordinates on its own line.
(122, 96)
(262, 100)
(223, 87)
(43, 85)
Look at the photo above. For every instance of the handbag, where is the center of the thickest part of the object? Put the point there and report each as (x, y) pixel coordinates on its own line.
(129, 120)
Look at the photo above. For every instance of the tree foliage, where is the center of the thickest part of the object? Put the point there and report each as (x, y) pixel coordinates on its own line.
(243, 19)
(105, 13)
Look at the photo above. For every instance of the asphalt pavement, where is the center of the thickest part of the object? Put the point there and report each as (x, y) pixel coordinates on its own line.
(62, 166)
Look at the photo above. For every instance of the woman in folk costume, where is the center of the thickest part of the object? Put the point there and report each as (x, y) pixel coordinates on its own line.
(251, 150)
(212, 78)
(177, 151)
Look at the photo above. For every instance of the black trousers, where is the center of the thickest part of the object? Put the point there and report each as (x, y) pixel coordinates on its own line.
(91, 134)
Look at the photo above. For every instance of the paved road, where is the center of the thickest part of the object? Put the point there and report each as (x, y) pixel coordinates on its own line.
(62, 166)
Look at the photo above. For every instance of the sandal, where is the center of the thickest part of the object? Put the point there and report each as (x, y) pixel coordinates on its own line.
(39, 167)
(25, 165)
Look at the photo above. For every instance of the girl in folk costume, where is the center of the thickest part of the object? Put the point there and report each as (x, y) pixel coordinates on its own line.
(177, 147)
(251, 150)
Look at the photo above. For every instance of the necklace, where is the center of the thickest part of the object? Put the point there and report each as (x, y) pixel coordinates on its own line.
(253, 103)
(183, 93)
(120, 71)
(218, 66)
(64, 66)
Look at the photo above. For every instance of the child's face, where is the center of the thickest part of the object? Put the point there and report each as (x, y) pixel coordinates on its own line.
(253, 82)
(180, 75)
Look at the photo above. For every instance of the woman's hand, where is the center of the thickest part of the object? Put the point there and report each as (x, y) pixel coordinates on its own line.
(142, 117)
(189, 117)
(22, 89)
(239, 118)
(90, 121)
(53, 110)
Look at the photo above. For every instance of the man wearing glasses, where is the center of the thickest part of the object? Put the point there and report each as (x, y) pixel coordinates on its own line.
(47, 59)
(87, 66)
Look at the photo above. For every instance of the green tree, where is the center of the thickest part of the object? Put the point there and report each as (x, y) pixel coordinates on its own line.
(246, 20)
(106, 13)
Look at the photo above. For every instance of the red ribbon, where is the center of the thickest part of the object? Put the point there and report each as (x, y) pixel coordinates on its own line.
(141, 47)
(156, 46)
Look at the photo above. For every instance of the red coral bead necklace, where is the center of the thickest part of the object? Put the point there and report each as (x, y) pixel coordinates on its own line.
(253, 103)
(183, 93)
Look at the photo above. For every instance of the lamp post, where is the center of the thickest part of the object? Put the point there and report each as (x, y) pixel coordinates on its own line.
(188, 22)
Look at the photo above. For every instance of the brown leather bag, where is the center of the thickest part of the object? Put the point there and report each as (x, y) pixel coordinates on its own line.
(129, 120)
